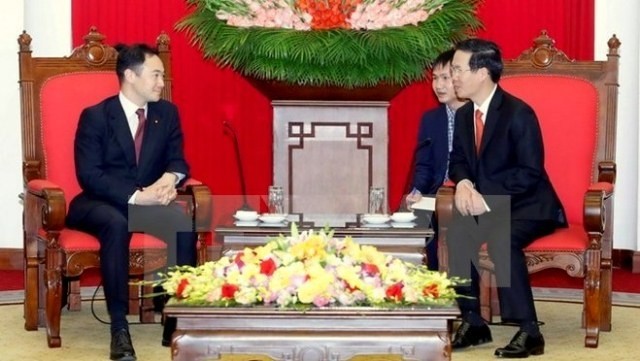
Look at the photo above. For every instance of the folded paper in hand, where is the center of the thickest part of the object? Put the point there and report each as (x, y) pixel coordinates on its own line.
(425, 203)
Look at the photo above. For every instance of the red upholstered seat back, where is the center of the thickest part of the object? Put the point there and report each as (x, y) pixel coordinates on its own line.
(567, 109)
(62, 99)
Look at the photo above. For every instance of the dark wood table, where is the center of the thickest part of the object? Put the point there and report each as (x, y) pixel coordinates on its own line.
(405, 243)
(331, 334)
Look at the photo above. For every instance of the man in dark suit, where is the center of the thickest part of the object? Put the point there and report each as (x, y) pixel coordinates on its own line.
(435, 137)
(503, 197)
(129, 160)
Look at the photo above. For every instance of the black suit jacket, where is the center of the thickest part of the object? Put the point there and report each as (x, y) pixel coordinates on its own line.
(511, 159)
(105, 156)
(432, 158)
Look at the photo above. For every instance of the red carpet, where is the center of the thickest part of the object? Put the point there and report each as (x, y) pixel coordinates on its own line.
(623, 280)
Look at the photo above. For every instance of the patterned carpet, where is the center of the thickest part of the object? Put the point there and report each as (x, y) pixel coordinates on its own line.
(84, 338)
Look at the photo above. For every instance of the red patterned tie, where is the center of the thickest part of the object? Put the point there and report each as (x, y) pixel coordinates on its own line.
(479, 130)
(137, 139)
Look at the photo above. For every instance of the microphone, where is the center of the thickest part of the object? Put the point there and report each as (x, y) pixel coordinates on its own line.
(228, 129)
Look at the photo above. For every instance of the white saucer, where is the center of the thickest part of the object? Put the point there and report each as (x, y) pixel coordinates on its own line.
(246, 224)
(375, 225)
(272, 218)
(403, 224)
(403, 217)
(375, 218)
(275, 225)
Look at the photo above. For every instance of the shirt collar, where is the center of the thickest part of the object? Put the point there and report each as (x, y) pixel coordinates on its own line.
(450, 111)
(129, 107)
(484, 107)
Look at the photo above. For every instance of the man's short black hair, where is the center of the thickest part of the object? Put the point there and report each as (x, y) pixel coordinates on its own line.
(484, 54)
(444, 58)
(132, 57)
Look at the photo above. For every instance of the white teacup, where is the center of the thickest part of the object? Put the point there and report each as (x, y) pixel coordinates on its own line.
(403, 217)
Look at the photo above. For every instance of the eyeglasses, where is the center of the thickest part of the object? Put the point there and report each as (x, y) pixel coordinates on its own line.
(456, 70)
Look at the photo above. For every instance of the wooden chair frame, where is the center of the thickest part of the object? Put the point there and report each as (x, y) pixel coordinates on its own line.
(46, 264)
(593, 262)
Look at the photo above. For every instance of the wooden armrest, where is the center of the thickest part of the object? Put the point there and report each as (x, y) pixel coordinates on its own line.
(444, 204)
(444, 213)
(200, 205)
(597, 199)
(45, 206)
(607, 172)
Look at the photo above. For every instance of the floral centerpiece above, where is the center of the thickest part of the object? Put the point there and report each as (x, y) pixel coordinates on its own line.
(338, 43)
(309, 269)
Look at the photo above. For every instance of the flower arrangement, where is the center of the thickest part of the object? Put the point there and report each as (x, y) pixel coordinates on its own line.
(344, 43)
(309, 269)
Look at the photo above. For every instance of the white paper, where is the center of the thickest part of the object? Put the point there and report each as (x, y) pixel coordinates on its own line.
(425, 203)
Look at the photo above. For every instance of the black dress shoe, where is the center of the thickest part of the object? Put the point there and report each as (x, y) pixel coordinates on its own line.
(522, 345)
(121, 346)
(468, 335)
(170, 324)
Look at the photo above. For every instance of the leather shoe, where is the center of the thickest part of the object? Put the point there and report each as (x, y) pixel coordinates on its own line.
(522, 345)
(121, 346)
(468, 335)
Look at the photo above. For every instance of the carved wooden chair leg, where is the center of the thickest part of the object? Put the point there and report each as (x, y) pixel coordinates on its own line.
(31, 294)
(53, 296)
(592, 298)
(134, 296)
(147, 310)
(74, 299)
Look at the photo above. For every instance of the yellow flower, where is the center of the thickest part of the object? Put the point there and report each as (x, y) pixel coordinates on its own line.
(313, 249)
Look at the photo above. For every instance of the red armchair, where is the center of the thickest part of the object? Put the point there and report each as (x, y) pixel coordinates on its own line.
(576, 105)
(53, 93)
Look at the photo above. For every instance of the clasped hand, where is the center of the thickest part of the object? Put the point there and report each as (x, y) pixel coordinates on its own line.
(161, 192)
(468, 201)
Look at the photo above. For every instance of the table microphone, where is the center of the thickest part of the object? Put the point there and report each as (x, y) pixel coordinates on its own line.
(228, 129)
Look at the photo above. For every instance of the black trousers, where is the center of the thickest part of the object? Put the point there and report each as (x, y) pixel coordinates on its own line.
(113, 229)
(505, 241)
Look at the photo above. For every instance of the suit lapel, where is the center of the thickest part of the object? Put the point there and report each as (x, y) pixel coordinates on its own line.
(469, 132)
(151, 134)
(118, 121)
(491, 120)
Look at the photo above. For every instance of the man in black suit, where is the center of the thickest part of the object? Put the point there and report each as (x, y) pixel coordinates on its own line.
(435, 138)
(129, 159)
(503, 197)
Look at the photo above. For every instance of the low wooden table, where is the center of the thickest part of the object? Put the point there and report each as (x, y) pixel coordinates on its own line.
(405, 243)
(332, 334)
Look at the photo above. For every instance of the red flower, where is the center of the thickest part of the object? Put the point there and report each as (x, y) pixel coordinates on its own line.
(394, 292)
(431, 291)
(181, 287)
(370, 269)
(268, 266)
(348, 287)
(328, 14)
(229, 290)
(238, 259)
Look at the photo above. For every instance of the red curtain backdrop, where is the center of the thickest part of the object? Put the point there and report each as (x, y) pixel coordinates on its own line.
(208, 95)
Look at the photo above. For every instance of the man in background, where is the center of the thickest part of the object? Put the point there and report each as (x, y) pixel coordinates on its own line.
(503, 198)
(435, 137)
(129, 159)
